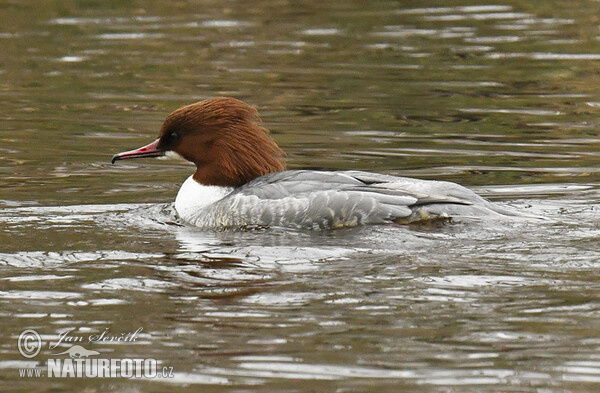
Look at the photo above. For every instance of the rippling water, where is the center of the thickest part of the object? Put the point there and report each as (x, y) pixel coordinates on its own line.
(501, 97)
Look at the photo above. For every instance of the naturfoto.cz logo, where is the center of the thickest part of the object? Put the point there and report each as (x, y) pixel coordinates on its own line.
(80, 362)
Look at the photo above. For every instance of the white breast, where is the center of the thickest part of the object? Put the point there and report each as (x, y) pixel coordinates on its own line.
(193, 197)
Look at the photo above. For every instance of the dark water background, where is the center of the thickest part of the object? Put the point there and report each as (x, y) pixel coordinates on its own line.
(503, 97)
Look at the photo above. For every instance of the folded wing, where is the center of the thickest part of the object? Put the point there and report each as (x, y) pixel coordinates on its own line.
(315, 199)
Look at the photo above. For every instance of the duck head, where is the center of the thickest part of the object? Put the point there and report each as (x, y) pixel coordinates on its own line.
(223, 136)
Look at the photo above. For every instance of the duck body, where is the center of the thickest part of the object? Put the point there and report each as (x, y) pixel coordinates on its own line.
(324, 200)
(241, 179)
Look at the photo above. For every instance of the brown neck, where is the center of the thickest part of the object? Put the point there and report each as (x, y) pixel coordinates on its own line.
(240, 160)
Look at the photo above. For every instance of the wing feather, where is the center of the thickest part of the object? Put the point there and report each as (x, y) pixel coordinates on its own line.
(315, 199)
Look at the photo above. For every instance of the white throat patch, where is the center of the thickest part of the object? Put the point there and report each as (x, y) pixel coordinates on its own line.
(193, 196)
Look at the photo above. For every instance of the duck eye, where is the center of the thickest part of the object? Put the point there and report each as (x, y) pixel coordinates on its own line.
(173, 135)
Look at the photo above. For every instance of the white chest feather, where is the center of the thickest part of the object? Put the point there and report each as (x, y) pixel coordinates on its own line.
(193, 197)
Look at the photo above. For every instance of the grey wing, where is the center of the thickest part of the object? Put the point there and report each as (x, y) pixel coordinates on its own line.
(314, 199)
(301, 182)
(317, 209)
(428, 191)
(441, 198)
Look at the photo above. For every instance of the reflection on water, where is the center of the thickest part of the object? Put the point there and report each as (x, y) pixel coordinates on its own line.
(274, 292)
(499, 97)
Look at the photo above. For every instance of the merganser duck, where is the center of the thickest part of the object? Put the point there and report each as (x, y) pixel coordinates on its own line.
(241, 181)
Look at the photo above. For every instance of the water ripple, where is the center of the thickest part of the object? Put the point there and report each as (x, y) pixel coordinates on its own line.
(545, 56)
(486, 16)
(44, 258)
(465, 9)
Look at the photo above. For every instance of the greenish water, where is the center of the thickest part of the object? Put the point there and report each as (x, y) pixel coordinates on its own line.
(502, 97)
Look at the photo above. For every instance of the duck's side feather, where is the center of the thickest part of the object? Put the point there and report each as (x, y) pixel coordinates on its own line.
(319, 199)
